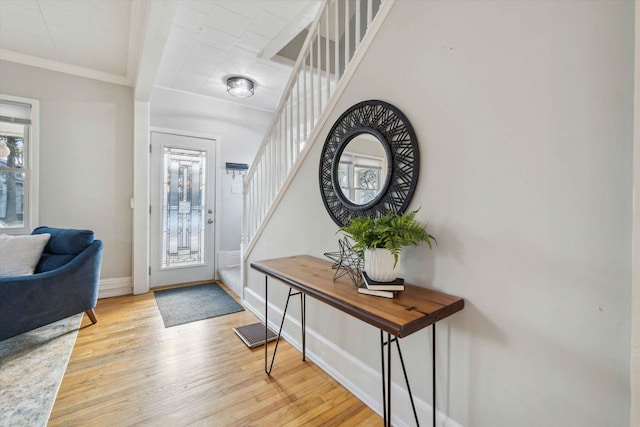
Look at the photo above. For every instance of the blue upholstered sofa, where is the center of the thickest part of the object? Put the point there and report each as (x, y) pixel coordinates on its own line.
(65, 282)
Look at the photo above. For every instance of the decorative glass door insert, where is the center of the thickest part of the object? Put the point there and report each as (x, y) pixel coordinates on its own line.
(183, 208)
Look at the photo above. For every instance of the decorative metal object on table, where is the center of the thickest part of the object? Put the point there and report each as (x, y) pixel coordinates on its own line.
(346, 261)
(369, 163)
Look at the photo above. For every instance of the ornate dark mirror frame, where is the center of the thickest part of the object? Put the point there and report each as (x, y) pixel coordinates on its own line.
(394, 131)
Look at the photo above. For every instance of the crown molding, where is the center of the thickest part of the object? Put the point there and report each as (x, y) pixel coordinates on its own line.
(20, 58)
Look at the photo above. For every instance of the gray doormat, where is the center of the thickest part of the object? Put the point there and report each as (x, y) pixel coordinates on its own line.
(253, 335)
(191, 303)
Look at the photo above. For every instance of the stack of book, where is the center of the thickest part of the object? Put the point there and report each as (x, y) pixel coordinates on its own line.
(380, 289)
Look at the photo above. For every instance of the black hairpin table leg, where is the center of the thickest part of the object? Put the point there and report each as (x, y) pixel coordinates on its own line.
(433, 373)
(386, 379)
(303, 312)
(284, 315)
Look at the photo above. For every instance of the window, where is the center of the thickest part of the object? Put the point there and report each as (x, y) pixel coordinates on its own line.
(18, 164)
(361, 177)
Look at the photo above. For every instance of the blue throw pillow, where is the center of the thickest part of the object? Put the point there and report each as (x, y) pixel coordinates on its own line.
(50, 262)
(65, 241)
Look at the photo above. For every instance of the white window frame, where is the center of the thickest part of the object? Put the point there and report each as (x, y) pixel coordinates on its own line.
(31, 216)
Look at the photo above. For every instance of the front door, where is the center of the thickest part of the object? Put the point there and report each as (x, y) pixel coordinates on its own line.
(182, 209)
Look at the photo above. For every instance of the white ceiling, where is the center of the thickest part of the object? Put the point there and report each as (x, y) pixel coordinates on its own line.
(208, 41)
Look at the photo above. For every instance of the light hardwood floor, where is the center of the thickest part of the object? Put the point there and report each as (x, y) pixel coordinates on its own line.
(129, 370)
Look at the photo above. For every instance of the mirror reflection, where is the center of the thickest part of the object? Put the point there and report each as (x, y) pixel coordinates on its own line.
(362, 170)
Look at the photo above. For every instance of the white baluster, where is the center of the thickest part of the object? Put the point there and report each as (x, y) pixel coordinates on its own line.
(347, 34)
(357, 24)
(327, 53)
(311, 98)
(336, 42)
(319, 66)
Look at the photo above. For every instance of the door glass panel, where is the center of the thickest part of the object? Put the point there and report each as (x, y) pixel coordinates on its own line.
(183, 208)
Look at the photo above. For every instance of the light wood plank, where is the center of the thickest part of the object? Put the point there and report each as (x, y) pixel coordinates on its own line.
(411, 310)
(128, 369)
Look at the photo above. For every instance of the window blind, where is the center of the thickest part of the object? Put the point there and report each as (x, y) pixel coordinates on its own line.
(15, 112)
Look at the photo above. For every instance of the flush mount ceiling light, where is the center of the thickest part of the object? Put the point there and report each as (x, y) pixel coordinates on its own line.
(240, 87)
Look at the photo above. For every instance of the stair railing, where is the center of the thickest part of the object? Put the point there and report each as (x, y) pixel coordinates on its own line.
(333, 45)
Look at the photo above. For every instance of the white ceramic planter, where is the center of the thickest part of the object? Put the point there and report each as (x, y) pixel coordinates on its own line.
(378, 263)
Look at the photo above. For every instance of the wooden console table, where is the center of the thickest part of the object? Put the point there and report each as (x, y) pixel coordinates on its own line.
(410, 311)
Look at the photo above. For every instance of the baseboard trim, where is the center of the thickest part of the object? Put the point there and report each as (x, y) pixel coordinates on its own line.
(368, 376)
(228, 259)
(115, 287)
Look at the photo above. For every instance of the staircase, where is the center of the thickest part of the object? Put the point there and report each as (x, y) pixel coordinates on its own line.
(335, 44)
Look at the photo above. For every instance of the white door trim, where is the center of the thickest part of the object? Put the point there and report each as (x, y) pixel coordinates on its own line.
(140, 200)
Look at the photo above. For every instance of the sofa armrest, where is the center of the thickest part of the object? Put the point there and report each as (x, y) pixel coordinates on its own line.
(28, 302)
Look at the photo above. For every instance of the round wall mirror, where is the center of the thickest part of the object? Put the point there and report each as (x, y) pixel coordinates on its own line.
(369, 163)
(361, 170)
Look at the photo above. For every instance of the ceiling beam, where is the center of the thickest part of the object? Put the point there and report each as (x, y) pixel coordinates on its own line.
(156, 19)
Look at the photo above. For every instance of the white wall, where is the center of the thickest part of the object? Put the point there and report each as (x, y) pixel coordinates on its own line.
(240, 130)
(635, 331)
(524, 115)
(86, 147)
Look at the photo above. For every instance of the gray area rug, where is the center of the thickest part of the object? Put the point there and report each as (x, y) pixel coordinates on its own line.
(191, 303)
(31, 369)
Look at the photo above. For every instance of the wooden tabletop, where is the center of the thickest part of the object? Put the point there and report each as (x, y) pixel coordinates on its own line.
(411, 310)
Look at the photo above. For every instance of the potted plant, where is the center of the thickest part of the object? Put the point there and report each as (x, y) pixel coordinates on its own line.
(380, 240)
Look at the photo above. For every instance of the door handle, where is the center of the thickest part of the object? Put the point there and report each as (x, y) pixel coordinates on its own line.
(210, 221)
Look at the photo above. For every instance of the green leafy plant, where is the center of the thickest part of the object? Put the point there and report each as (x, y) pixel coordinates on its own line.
(392, 232)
